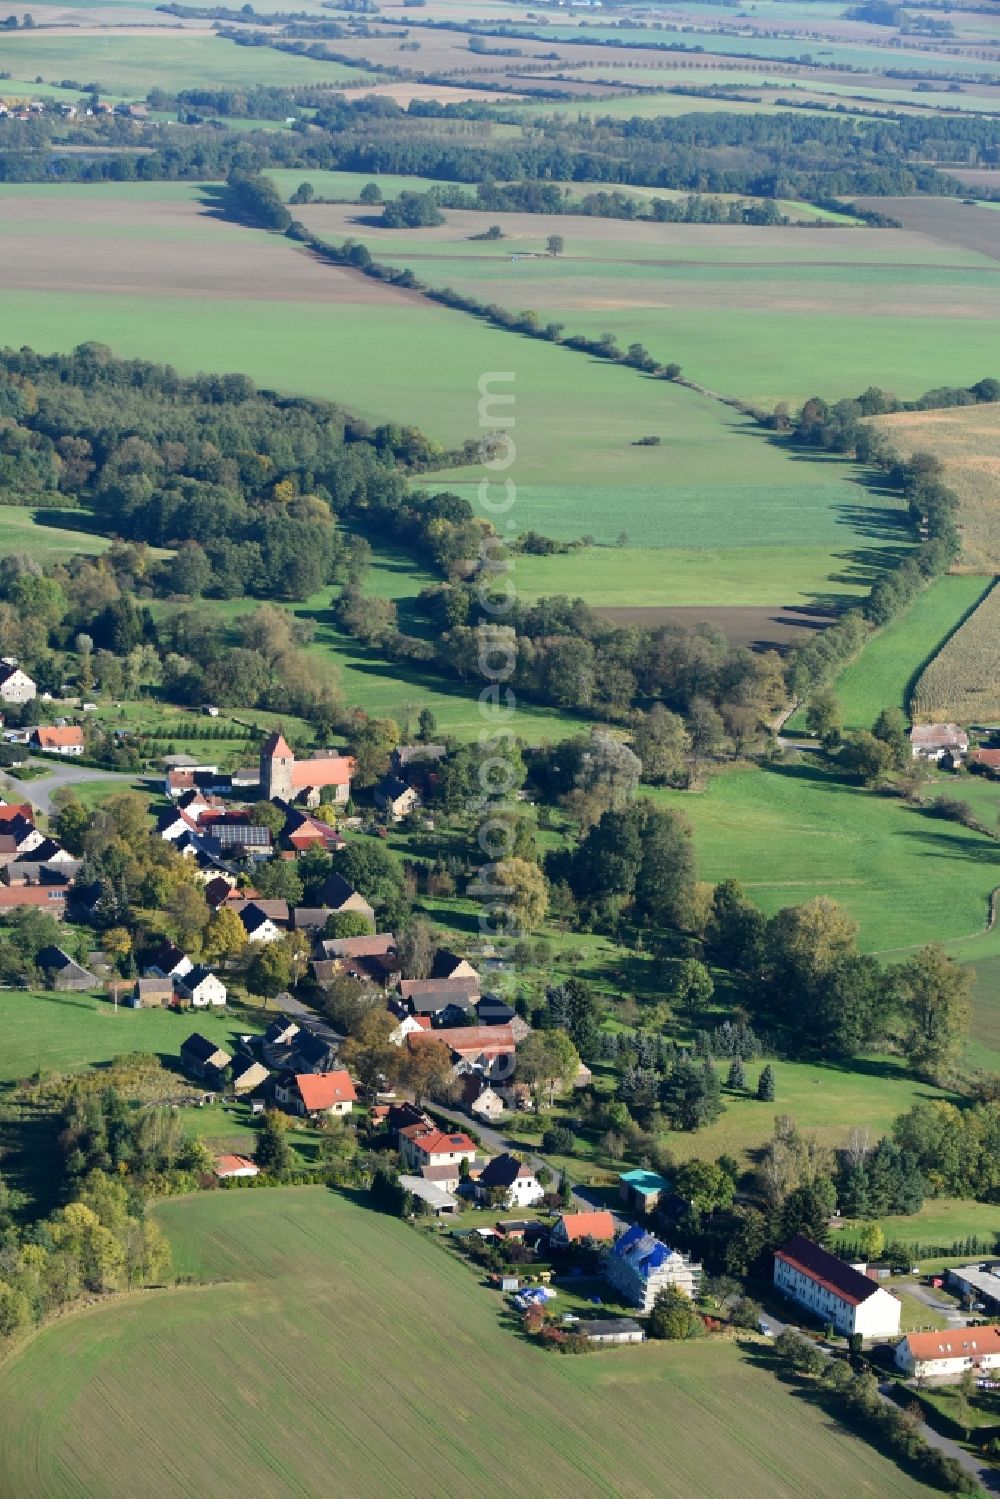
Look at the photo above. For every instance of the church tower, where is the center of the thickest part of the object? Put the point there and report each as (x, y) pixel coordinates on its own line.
(276, 765)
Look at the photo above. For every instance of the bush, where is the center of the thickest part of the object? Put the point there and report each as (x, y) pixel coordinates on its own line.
(558, 1140)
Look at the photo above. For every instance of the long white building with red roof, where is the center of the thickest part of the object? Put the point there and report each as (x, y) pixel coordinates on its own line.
(834, 1291)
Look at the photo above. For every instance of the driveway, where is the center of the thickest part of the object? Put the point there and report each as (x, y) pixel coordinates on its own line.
(935, 1302)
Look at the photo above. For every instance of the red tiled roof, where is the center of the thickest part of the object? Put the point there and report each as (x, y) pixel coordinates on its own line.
(990, 757)
(321, 1090)
(436, 1142)
(54, 738)
(276, 746)
(955, 1342)
(597, 1225)
(15, 810)
(323, 770)
(498, 1039)
(228, 1165)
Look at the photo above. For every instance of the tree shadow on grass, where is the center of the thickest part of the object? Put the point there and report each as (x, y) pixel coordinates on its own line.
(981, 850)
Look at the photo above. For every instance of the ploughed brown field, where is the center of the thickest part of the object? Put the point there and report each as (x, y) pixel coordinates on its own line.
(172, 247)
(760, 629)
(947, 219)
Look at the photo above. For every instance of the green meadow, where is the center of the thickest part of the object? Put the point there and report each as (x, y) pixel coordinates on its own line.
(311, 1302)
(69, 1032)
(885, 671)
(31, 529)
(797, 831)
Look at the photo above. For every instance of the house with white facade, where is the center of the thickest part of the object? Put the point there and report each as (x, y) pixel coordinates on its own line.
(640, 1266)
(15, 685)
(834, 1291)
(936, 741)
(424, 1145)
(513, 1180)
(201, 987)
(313, 1093)
(947, 1355)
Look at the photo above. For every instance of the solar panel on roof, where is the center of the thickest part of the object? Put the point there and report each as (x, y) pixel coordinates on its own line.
(241, 833)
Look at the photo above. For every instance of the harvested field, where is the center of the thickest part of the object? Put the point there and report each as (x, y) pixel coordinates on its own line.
(947, 219)
(126, 245)
(962, 682)
(760, 629)
(967, 440)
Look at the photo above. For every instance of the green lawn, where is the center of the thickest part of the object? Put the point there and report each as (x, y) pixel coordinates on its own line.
(796, 831)
(32, 530)
(885, 671)
(329, 1342)
(67, 1032)
(941, 1222)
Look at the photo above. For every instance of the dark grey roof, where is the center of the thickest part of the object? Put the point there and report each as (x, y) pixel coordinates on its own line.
(199, 973)
(199, 1048)
(595, 1326)
(821, 1265)
(502, 1171)
(335, 890)
(53, 957)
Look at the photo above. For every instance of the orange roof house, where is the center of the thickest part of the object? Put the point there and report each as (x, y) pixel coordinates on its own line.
(317, 1092)
(573, 1228)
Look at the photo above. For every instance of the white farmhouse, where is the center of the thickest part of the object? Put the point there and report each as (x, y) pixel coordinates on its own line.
(15, 685)
(201, 987)
(833, 1291)
(947, 1355)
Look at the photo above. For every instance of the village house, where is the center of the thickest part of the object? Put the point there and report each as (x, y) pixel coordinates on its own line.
(834, 1291)
(987, 760)
(248, 1075)
(447, 1178)
(227, 1166)
(323, 777)
(482, 1101)
(395, 798)
(337, 895)
(152, 993)
(314, 1049)
(946, 1355)
(201, 987)
(15, 685)
(642, 1190)
(446, 1001)
(263, 920)
(639, 1267)
(426, 1145)
(302, 832)
(575, 1228)
(313, 1093)
(510, 1182)
(448, 965)
(408, 1024)
(486, 1049)
(405, 755)
(168, 962)
(51, 898)
(203, 1058)
(277, 1041)
(53, 740)
(939, 741)
(62, 972)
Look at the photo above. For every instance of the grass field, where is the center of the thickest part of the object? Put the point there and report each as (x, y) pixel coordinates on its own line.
(330, 1340)
(750, 523)
(961, 682)
(941, 1221)
(31, 530)
(967, 440)
(131, 63)
(68, 1032)
(883, 675)
(741, 309)
(796, 831)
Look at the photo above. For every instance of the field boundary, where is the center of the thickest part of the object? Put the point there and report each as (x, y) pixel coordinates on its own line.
(914, 679)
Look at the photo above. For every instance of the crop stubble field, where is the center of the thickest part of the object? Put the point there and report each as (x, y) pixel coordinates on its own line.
(327, 1329)
(962, 682)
